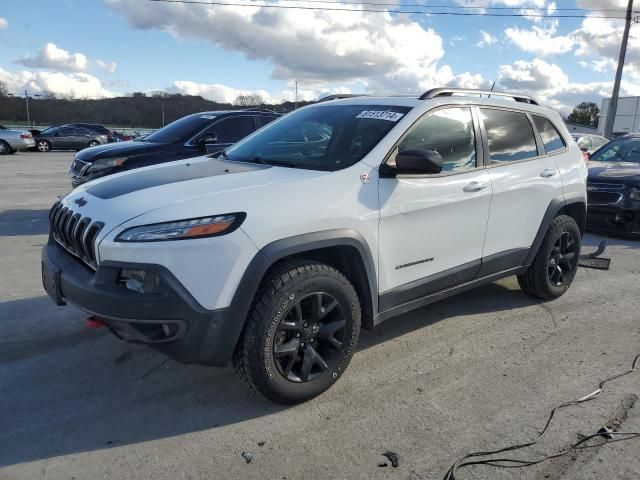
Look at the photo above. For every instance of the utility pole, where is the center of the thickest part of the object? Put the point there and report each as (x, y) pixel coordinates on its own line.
(295, 104)
(613, 103)
(26, 99)
(162, 104)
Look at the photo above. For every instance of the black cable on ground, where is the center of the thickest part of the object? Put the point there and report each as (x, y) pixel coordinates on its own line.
(608, 437)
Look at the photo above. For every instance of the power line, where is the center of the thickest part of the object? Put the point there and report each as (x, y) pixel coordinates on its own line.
(369, 10)
(455, 7)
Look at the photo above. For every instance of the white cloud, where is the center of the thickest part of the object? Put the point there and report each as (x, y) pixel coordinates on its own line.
(378, 51)
(75, 84)
(3, 23)
(109, 67)
(215, 92)
(486, 39)
(551, 86)
(540, 40)
(52, 57)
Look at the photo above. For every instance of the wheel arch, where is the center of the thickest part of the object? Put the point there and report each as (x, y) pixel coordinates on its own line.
(344, 249)
(573, 205)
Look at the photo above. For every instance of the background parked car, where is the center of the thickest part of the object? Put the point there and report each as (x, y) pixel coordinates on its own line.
(121, 137)
(589, 143)
(94, 127)
(13, 140)
(190, 136)
(613, 188)
(68, 137)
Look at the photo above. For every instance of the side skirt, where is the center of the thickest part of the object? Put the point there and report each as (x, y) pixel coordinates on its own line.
(435, 297)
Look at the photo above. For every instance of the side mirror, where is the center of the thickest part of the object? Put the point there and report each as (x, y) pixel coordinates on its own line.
(208, 139)
(418, 161)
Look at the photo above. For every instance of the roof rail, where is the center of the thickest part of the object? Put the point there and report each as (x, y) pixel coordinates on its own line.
(258, 109)
(339, 96)
(448, 92)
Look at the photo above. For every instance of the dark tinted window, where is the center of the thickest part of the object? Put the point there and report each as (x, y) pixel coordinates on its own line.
(627, 150)
(66, 131)
(232, 129)
(550, 137)
(83, 131)
(509, 134)
(322, 137)
(265, 119)
(182, 129)
(448, 132)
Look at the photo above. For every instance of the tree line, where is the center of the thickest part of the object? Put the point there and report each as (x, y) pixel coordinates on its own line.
(138, 110)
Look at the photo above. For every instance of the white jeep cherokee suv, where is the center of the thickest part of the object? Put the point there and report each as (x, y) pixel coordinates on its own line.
(339, 215)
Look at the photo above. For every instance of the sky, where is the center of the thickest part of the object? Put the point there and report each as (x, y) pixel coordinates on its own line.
(105, 48)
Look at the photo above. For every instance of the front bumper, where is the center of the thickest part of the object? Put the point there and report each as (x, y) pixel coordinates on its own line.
(169, 320)
(616, 220)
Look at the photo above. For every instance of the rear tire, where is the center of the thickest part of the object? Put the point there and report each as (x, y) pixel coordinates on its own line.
(5, 149)
(43, 145)
(301, 332)
(554, 266)
(93, 143)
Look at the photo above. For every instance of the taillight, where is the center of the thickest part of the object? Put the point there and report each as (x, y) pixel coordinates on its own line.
(25, 135)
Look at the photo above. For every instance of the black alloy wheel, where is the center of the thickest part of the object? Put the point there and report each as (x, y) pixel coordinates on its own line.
(309, 338)
(562, 259)
(301, 332)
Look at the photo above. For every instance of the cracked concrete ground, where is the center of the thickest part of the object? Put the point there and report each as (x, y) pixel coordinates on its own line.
(478, 371)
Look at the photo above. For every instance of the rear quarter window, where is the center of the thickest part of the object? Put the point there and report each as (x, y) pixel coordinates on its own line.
(551, 138)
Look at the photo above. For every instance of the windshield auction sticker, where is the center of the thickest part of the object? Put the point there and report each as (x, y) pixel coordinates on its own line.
(381, 115)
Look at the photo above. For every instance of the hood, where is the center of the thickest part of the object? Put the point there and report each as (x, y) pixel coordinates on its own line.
(118, 149)
(624, 172)
(196, 186)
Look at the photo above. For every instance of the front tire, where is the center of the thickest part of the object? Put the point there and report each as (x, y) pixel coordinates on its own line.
(556, 263)
(43, 146)
(301, 332)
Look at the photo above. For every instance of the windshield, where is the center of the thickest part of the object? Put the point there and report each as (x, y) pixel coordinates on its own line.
(627, 150)
(182, 129)
(320, 138)
(50, 130)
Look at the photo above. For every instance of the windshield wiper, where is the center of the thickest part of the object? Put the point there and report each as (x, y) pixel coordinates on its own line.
(278, 163)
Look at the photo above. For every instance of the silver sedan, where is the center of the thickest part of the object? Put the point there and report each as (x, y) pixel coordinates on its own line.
(14, 140)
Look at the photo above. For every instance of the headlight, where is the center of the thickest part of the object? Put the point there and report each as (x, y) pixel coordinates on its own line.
(183, 229)
(635, 194)
(105, 164)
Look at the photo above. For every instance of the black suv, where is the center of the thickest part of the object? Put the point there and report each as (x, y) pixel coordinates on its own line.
(190, 136)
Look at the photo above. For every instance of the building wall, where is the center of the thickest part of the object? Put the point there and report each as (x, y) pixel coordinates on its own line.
(627, 116)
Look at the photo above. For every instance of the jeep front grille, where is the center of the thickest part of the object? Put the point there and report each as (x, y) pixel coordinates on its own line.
(77, 234)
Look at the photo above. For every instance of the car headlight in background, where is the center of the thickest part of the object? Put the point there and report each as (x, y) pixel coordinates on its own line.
(635, 194)
(105, 164)
(184, 229)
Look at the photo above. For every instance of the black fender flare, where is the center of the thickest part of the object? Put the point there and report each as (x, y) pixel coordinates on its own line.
(557, 204)
(271, 253)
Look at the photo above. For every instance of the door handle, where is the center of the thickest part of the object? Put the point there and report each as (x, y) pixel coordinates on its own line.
(548, 172)
(474, 187)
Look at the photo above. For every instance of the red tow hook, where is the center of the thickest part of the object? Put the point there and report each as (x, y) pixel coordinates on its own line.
(94, 322)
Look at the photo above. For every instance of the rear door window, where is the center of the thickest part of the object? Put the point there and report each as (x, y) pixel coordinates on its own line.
(509, 134)
(550, 137)
(265, 119)
(232, 129)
